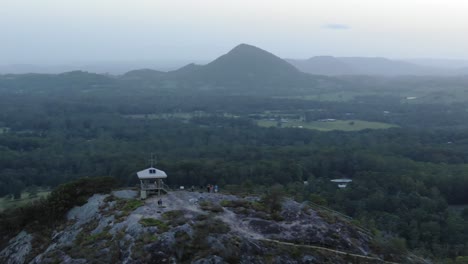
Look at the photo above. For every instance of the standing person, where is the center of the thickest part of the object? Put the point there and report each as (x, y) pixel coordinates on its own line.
(216, 188)
(208, 188)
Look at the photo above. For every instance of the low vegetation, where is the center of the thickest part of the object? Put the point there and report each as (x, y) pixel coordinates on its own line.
(341, 125)
(211, 207)
(91, 246)
(48, 212)
(131, 205)
(64, 127)
(173, 215)
(25, 198)
(162, 226)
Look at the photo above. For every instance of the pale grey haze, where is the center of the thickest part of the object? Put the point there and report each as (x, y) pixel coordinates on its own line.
(45, 32)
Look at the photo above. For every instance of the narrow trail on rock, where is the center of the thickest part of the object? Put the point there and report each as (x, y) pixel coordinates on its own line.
(328, 250)
(237, 225)
(182, 201)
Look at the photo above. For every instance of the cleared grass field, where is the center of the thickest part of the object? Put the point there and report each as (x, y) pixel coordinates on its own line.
(333, 97)
(182, 115)
(343, 125)
(165, 116)
(458, 208)
(25, 199)
(422, 95)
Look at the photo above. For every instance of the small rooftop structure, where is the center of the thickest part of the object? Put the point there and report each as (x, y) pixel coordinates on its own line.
(151, 173)
(151, 182)
(342, 183)
(327, 120)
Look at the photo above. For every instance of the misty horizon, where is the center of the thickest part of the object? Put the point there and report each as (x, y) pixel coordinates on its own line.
(55, 32)
(298, 131)
(123, 66)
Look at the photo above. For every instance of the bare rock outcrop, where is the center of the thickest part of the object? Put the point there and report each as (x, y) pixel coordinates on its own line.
(192, 227)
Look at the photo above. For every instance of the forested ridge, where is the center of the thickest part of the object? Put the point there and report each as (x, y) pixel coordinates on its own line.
(55, 128)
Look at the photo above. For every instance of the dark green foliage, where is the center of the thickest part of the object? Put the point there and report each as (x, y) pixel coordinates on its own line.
(63, 127)
(173, 215)
(389, 247)
(236, 203)
(89, 246)
(212, 226)
(211, 207)
(46, 213)
(317, 199)
(245, 67)
(162, 226)
(461, 260)
(273, 199)
(464, 214)
(76, 193)
(131, 205)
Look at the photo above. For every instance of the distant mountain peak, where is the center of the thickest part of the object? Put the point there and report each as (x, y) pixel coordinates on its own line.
(251, 56)
(247, 50)
(245, 47)
(243, 67)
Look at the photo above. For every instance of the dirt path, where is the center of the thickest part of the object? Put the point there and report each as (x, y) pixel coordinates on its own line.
(189, 201)
(238, 226)
(328, 250)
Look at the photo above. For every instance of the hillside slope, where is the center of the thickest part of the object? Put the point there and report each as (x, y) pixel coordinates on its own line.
(245, 68)
(195, 227)
(331, 66)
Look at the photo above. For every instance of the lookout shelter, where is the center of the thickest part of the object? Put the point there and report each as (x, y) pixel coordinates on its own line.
(342, 183)
(151, 182)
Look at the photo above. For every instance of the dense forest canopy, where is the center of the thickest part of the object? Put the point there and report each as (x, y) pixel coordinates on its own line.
(406, 179)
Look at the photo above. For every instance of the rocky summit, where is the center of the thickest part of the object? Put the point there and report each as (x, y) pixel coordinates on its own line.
(196, 227)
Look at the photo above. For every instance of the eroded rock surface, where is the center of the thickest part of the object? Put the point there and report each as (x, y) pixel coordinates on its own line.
(194, 227)
(18, 249)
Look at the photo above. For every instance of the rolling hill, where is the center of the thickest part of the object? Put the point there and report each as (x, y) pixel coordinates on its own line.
(246, 68)
(243, 66)
(331, 66)
(142, 74)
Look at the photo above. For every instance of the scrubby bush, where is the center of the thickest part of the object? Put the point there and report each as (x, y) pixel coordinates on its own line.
(47, 212)
(389, 246)
(273, 199)
(209, 206)
(162, 227)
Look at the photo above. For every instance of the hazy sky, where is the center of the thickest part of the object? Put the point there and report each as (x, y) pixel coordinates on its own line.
(61, 31)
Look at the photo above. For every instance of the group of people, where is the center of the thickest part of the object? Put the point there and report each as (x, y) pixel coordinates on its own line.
(212, 188)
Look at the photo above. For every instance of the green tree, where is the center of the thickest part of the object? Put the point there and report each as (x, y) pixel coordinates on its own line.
(273, 199)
